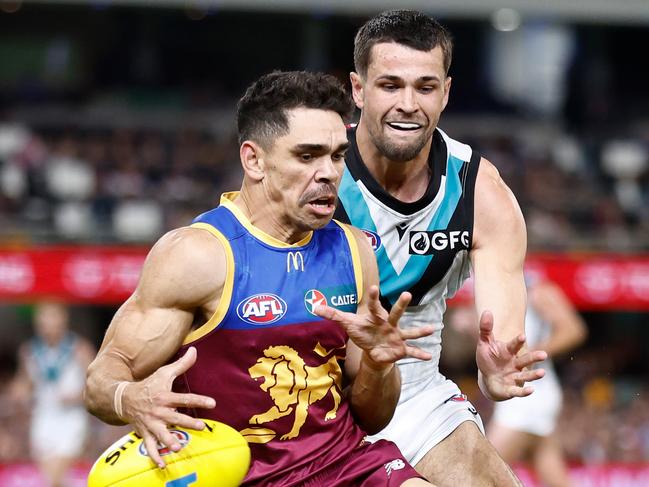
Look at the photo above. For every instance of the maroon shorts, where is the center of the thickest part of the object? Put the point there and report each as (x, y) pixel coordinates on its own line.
(379, 464)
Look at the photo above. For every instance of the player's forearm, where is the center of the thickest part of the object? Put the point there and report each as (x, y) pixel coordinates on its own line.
(375, 394)
(102, 379)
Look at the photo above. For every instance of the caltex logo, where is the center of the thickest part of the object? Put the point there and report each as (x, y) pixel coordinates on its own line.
(314, 298)
(261, 309)
(182, 437)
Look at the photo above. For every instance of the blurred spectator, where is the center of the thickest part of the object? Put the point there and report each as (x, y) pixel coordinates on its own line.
(627, 161)
(107, 185)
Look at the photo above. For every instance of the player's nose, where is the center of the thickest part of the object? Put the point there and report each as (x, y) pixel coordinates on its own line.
(407, 101)
(327, 170)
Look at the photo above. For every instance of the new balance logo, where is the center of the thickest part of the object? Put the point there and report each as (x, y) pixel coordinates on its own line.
(397, 464)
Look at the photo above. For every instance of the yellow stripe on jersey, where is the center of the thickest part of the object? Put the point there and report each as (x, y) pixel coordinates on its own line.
(356, 259)
(228, 286)
(226, 200)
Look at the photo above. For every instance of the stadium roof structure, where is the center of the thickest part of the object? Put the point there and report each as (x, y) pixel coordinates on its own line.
(591, 11)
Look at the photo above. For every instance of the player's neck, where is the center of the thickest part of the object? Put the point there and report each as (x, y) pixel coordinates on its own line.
(406, 181)
(264, 216)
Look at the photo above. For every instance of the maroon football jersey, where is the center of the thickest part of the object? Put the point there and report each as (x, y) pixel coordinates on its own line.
(270, 363)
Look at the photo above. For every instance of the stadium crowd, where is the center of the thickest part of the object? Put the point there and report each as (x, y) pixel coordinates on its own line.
(112, 184)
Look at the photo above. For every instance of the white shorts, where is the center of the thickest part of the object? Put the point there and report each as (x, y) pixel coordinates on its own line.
(59, 435)
(537, 413)
(426, 418)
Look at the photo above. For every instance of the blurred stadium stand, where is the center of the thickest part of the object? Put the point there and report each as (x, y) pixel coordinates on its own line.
(116, 124)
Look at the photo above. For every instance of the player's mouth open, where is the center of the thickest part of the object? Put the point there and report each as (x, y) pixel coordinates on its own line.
(323, 206)
(404, 126)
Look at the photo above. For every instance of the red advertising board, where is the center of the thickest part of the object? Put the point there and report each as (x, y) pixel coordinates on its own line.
(107, 275)
(593, 282)
(75, 274)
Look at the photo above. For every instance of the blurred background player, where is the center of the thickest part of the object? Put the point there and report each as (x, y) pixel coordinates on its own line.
(51, 374)
(525, 426)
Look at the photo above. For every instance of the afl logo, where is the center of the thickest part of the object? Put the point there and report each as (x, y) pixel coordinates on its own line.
(261, 309)
(181, 436)
(313, 299)
(374, 239)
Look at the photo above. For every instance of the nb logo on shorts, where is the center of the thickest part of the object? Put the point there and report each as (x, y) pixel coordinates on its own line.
(294, 261)
(397, 464)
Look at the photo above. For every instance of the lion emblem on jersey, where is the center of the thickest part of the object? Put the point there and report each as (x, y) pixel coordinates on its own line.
(293, 386)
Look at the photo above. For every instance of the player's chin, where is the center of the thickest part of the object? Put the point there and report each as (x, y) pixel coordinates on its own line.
(317, 224)
(311, 222)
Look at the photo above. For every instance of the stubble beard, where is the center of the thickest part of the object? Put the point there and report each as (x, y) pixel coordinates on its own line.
(399, 152)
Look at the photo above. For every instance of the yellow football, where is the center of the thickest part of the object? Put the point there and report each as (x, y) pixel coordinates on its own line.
(218, 456)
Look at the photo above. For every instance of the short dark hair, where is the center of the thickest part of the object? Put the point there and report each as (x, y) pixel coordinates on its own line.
(407, 27)
(261, 112)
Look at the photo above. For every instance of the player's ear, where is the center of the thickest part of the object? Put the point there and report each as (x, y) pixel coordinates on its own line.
(447, 90)
(357, 89)
(252, 159)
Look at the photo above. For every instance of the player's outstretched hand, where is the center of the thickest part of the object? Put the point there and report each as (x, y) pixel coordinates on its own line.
(150, 406)
(378, 332)
(503, 371)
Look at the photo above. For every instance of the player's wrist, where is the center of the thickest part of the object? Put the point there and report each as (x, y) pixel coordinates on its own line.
(379, 368)
(118, 397)
(482, 384)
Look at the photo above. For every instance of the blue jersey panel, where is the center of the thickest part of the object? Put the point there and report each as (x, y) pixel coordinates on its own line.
(294, 279)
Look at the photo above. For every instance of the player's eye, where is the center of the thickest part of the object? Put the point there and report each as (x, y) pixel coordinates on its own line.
(339, 156)
(306, 157)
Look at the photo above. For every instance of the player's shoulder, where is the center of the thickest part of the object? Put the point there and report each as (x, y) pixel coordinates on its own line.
(495, 205)
(186, 267)
(358, 236)
(491, 188)
(454, 147)
(346, 228)
(351, 230)
(186, 253)
(489, 172)
(187, 243)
